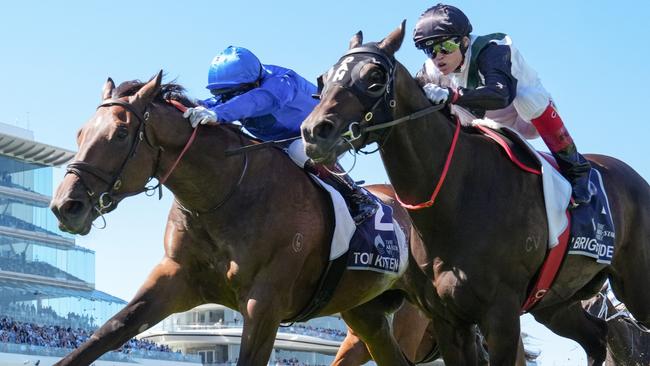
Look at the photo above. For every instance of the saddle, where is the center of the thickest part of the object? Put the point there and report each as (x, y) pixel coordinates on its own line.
(586, 230)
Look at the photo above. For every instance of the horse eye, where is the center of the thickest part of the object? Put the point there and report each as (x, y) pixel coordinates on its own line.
(377, 77)
(122, 133)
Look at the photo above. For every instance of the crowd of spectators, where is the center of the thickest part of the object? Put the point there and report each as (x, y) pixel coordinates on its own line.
(45, 315)
(12, 331)
(292, 362)
(275, 362)
(325, 333)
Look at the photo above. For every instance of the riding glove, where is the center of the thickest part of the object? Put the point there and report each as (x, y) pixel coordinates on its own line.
(435, 93)
(200, 115)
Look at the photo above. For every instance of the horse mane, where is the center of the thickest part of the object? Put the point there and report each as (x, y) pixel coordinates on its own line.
(168, 91)
(176, 92)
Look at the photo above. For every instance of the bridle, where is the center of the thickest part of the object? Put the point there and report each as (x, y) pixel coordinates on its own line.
(103, 202)
(381, 100)
(355, 130)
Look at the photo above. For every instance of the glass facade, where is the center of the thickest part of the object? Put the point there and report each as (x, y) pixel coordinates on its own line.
(44, 276)
(30, 178)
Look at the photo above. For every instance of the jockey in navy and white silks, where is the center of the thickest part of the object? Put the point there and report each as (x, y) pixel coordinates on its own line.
(270, 102)
(488, 76)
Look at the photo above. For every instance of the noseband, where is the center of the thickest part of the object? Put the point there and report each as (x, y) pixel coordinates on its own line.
(105, 200)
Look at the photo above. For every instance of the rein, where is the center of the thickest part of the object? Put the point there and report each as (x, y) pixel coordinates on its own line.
(181, 108)
(357, 130)
(103, 202)
(365, 128)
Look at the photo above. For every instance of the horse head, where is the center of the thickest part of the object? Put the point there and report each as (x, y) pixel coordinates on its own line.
(358, 93)
(118, 153)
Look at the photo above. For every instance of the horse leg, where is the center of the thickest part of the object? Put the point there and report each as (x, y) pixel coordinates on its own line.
(262, 312)
(164, 292)
(502, 329)
(370, 323)
(353, 352)
(521, 353)
(457, 341)
(409, 328)
(631, 276)
(570, 320)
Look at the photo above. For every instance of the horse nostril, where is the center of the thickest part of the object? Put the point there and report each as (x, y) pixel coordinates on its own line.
(72, 208)
(324, 130)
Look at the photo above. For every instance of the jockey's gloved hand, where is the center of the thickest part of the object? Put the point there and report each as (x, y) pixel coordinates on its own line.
(437, 94)
(200, 115)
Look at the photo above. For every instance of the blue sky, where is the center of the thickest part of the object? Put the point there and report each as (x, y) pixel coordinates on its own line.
(55, 59)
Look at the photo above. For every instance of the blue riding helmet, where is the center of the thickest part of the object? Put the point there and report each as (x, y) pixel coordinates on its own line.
(232, 67)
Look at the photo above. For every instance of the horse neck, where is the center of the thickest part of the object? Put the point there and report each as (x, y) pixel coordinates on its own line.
(415, 151)
(205, 175)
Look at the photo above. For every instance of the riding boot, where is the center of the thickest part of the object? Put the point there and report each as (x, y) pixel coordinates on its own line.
(360, 203)
(573, 166)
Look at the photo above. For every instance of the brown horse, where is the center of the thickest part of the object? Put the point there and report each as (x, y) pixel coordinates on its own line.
(627, 343)
(486, 234)
(415, 335)
(235, 234)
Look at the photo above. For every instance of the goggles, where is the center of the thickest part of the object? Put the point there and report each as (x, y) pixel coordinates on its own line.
(445, 47)
(224, 95)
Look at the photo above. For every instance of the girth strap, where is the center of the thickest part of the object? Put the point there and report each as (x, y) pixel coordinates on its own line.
(327, 284)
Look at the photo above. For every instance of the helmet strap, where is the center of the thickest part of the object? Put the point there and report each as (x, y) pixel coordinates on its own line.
(463, 50)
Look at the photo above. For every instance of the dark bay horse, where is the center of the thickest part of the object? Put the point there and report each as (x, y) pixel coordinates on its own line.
(250, 231)
(485, 235)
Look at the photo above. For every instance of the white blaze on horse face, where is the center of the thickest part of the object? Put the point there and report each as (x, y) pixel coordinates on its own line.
(340, 72)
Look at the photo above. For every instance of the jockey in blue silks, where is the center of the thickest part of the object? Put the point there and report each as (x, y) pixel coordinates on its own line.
(270, 102)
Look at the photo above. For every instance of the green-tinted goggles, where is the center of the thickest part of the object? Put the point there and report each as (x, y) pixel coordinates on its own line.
(445, 47)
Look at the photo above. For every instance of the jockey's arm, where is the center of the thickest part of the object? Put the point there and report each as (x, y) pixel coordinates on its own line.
(260, 101)
(500, 86)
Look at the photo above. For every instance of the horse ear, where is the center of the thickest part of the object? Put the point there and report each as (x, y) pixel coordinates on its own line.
(356, 40)
(109, 85)
(149, 90)
(393, 42)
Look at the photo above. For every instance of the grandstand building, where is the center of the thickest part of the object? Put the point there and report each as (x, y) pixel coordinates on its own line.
(47, 282)
(44, 276)
(214, 332)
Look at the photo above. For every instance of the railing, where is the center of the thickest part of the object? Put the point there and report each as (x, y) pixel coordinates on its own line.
(323, 333)
(29, 349)
(164, 356)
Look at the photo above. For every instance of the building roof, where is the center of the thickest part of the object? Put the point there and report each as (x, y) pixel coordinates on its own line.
(33, 151)
(26, 291)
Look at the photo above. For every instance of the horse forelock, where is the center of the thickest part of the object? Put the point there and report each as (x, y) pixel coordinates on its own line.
(167, 91)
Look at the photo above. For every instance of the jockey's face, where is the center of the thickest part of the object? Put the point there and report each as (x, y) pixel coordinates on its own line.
(449, 62)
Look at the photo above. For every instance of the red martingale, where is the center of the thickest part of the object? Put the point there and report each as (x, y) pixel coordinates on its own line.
(554, 256)
(450, 155)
